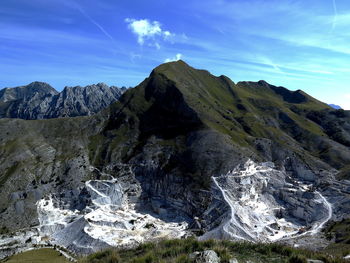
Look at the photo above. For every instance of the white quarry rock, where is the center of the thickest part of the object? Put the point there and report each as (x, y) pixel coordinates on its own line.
(266, 205)
(110, 220)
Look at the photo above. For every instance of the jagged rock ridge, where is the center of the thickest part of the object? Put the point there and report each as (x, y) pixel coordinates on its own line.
(39, 100)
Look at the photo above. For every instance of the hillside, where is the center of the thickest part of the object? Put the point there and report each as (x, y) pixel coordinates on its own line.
(150, 159)
(268, 122)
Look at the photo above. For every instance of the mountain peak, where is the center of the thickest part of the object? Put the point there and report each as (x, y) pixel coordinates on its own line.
(39, 100)
(42, 87)
(28, 91)
(336, 107)
(173, 66)
(177, 63)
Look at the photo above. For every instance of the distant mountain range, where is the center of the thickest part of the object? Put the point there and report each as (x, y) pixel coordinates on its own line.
(337, 107)
(39, 100)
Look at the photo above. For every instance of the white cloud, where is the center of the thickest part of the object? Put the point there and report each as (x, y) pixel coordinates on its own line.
(151, 31)
(176, 58)
(168, 36)
(167, 33)
(144, 29)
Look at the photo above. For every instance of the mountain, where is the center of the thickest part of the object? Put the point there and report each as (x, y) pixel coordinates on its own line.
(39, 100)
(26, 92)
(337, 107)
(184, 152)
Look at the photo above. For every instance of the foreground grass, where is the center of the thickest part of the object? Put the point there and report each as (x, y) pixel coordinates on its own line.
(178, 250)
(38, 256)
(339, 232)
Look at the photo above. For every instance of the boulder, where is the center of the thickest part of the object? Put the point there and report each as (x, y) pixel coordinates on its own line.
(207, 256)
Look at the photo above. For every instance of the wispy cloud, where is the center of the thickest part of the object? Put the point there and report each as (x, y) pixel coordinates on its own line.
(81, 10)
(49, 36)
(177, 57)
(267, 61)
(292, 22)
(134, 56)
(335, 15)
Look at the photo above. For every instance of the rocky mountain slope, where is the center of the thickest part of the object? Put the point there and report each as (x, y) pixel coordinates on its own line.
(163, 155)
(39, 100)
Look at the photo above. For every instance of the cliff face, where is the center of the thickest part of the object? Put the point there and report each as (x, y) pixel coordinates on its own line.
(155, 152)
(40, 101)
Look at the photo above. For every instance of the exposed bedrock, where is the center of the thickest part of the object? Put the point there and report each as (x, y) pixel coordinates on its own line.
(268, 205)
(254, 202)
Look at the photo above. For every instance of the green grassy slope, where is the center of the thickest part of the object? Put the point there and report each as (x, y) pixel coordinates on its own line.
(177, 251)
(339, 232)
(250, 110)
(44, 255)
(177, 99)
(218, 99)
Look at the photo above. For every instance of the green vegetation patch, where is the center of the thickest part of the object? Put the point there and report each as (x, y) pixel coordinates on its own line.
(37, 256)
(340, 233)
(178, 250)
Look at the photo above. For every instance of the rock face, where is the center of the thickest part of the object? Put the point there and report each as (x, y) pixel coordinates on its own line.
(40, 101)
(27, 92)
(159, 156)
(207, 256)
(268, 205)
(104, 213)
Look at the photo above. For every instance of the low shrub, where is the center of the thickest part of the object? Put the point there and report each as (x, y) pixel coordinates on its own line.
(297, 259)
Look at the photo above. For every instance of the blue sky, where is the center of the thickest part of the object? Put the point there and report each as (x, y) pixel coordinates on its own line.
(291, 43)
